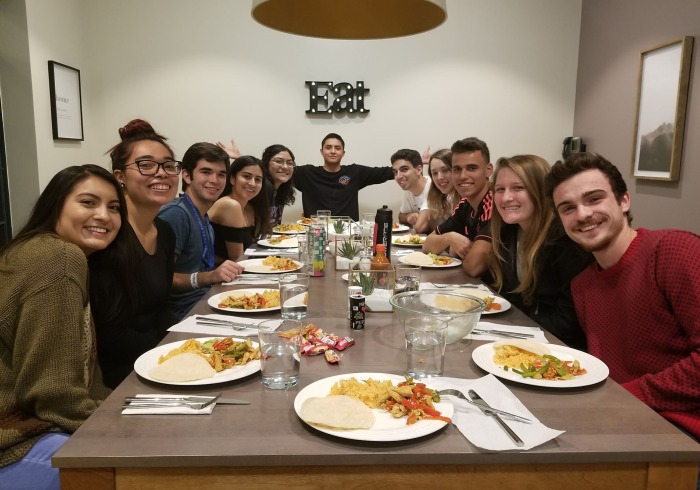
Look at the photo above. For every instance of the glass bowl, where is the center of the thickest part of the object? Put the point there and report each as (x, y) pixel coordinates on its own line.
(460, 311)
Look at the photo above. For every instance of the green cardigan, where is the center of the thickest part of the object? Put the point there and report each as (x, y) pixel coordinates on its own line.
(49, 376)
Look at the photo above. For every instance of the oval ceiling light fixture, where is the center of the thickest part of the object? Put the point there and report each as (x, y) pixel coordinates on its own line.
(350, 19)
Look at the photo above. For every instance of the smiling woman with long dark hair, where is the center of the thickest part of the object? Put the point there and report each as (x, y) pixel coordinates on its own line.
(50, 381)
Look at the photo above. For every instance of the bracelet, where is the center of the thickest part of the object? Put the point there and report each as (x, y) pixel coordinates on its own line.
(193, 280)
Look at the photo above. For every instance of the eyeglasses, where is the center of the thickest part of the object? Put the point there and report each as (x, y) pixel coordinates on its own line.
(282, 162)
(151, 167)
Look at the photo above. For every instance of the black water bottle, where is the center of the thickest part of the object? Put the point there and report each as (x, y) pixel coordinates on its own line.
(383, 223)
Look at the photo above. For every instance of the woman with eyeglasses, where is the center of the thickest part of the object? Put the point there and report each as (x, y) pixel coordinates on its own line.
(148, 173)
(241, 215)
(278, 161)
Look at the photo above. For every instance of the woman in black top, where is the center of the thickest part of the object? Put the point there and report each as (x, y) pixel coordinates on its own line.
(127, 325)
(241, 215)
(278, 162)
(533, 260)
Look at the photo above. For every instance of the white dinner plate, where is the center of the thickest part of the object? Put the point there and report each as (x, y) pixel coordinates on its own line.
(399, 228)
(217, 298)
(282, 231)
(290, 242)
(455, 262)
(398, 241)
(256, 266)
(385, 427)
(149, 360)
(596, 369)
(505, 304)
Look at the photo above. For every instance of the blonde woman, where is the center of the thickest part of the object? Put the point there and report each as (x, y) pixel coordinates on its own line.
(533, 261)
(442, 196)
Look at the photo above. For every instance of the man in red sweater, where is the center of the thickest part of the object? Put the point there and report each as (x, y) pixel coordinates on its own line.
(639, 303)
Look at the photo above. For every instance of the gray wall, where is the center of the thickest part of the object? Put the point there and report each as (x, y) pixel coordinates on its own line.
(613, 35)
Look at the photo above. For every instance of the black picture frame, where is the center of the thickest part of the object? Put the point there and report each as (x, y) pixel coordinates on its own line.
(66, 102)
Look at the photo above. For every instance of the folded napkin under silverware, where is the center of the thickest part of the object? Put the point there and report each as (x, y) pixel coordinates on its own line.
(203, 320)
(484, 407)
(502, 333)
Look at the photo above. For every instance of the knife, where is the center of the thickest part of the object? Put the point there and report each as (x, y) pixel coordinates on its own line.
(480, 401)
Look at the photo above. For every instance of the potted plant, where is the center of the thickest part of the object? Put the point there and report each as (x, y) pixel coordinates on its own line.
(347, 253)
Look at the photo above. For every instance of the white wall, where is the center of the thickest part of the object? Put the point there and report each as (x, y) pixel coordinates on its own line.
(502, 70)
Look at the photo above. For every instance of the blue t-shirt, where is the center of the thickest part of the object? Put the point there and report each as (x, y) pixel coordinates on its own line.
(189, 249)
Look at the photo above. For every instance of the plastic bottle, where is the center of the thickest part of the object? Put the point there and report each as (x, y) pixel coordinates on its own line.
(380, 260)
(383, 223)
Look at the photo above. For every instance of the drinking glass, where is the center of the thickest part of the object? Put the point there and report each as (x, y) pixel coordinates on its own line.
(425, 346)
(407, 278)
(367, 230)
(294, 294)
(280, 353)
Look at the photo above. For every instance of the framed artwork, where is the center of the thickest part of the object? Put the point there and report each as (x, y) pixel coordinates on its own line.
(66, 102)
(664, 76)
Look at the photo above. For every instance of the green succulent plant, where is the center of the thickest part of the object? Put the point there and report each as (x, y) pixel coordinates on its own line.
(366, 281)
(339, 226)
(348, 249)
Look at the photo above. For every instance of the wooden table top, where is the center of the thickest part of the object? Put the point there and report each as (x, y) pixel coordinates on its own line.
(603, 423)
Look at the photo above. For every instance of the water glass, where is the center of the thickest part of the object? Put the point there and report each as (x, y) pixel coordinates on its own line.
(367, 229)
(425, 346)
(280, 353)
(303, 248)
(407, 278)
(294, 294)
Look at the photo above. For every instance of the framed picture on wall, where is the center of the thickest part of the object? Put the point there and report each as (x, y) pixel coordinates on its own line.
(664, 75)
(66, 102)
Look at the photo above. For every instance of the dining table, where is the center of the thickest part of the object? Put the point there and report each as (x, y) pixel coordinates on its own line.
(610, 438)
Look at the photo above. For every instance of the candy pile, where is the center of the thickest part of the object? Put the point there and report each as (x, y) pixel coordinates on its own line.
(317, 342)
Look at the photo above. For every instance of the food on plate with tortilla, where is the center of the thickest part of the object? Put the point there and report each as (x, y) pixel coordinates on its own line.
(410, 240)
(532, 359)
(268, 299)
(407, 398)
(184, 363)
(486, 296)
(419, 258)
(337, 412)
(275, 240)
(280, 263)
(289, 227)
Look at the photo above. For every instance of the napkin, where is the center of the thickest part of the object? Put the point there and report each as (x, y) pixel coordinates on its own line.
(242, 279)
(537, 332)
(264, 252)
(189, 324)
(481, 429)
(182, 410)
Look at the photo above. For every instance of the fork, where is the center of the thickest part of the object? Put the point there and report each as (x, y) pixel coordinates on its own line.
(203, 320)
(444, 286)
(503, 333)
(459, 394)
(193, 402)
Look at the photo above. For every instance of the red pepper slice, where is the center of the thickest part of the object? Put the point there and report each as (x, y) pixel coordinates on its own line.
(410, 404)
(429, 411)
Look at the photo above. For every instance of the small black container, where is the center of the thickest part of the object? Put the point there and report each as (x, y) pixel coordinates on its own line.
(357, 311)
(383, 223)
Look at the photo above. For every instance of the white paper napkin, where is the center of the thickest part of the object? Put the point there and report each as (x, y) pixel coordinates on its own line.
(189, 324)
(272, 279)
(182, 410)
(537, 332)
(481, 429)
(264, 252)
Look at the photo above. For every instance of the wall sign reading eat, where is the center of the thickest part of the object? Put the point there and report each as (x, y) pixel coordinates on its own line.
(326, 98)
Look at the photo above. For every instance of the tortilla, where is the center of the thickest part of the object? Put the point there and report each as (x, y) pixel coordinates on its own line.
(537, 348)
(337, 412)
(183, 367)
(418, 258)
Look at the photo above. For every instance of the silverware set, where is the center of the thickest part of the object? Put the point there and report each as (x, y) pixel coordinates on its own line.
(503, 333)
(215, 322)
(193, 402)
(482, 405)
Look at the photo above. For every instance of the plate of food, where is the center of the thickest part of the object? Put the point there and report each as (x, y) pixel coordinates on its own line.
(409, 241)
(256, 300)
(307, 221)
(494, 304)
(201, 361)
(398, 228)
(270, 265)
(340, 406)
(290, 229)
(280, 241)
(430, 261)
(533, 363)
